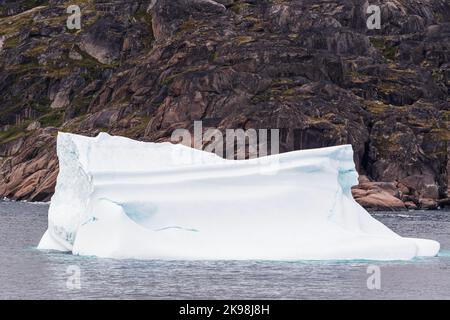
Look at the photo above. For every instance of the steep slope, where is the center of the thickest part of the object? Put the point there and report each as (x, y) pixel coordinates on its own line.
(310, 68)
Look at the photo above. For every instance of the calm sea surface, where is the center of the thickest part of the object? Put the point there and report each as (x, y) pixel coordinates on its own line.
(26, 273)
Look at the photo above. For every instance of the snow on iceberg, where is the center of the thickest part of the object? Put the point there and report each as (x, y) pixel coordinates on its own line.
(121, 198)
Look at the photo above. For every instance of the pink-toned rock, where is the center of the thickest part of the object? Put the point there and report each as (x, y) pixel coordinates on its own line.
(381, 201)
(29, 172)
(424, 184)
(427, 203)
(46, 187)
(34, 126)
(362, 179)
(30, 184)
(358, 193)
(403, 188)
(376, 187)
(410, 205)
(378, 195)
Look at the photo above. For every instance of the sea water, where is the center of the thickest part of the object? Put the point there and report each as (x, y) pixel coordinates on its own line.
(27, 273)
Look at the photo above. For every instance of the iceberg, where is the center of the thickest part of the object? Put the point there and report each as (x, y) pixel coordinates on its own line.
(120, 198)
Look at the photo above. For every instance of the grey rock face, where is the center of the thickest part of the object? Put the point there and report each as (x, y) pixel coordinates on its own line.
(309, 68)
(104, 40)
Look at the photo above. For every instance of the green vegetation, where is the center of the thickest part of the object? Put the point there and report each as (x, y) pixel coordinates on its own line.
(54, 118)
(11, 43)
(441, 134)
(213, 57)
(376, 107)
(188, 26)
(37, 50)
(243, 40)
(138, 129)
(389, 52)
(13, 133)
(145, 17)
(11, 26)
(240, 6)
(187, 70)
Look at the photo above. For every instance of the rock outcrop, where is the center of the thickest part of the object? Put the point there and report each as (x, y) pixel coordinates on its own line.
(309, 68)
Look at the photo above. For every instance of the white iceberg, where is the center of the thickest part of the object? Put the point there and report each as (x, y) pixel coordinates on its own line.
(121, 198)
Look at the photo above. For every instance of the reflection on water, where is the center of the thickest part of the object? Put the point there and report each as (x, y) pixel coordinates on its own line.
(26, 273)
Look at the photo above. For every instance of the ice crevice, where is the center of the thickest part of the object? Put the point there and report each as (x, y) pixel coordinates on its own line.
(120, 198)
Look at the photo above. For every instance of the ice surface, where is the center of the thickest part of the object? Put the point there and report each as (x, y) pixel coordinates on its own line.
(121, 198)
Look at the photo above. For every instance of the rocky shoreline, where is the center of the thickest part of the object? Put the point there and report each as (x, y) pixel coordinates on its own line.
(309, 68)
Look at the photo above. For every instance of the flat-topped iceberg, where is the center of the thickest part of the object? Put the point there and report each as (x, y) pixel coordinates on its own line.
(121, 198)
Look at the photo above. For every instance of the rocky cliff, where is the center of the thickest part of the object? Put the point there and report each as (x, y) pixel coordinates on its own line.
(310, 68)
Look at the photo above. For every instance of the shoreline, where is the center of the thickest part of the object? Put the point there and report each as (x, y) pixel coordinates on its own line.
(370, 210)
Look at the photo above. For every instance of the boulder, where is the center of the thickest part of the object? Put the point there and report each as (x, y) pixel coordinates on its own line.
(104, 40)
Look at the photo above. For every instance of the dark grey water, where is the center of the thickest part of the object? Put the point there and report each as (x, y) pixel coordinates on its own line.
(26, 273)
